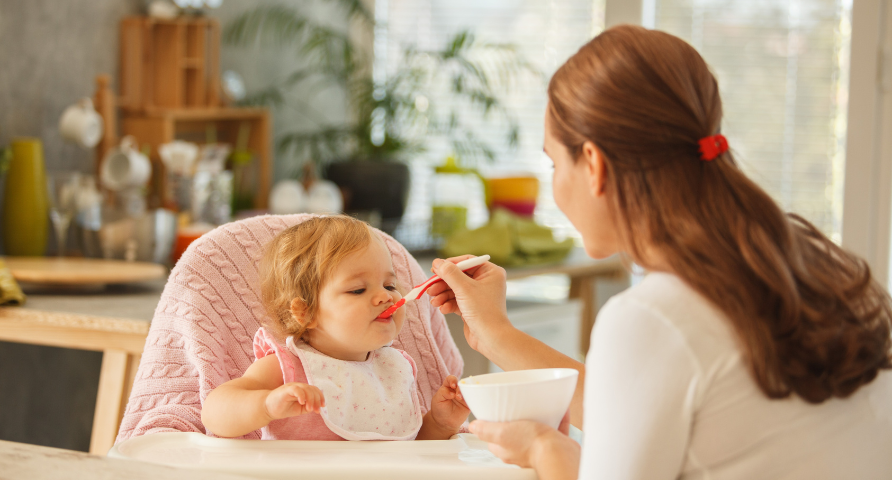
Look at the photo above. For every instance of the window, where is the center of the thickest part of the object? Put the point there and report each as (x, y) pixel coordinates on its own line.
(782, 68)
(546, 32)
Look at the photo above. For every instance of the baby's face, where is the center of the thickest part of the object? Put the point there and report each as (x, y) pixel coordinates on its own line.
(357, 291)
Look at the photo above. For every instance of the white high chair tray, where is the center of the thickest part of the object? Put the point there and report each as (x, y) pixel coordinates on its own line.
(463, 456)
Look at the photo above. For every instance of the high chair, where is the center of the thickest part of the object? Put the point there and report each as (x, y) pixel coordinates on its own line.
(203, 328)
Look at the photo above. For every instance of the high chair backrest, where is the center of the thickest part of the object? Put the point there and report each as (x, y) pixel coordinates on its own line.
(203, 328)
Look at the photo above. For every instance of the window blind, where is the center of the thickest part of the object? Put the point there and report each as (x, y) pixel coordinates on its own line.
(782, 68)
(546, 32)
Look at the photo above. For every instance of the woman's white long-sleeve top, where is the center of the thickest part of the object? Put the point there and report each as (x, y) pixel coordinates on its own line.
(668, 395)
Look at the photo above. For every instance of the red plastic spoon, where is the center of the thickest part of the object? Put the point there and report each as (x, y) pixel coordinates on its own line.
(418, 291)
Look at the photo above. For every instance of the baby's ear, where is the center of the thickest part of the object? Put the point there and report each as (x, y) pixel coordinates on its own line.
(299, 312)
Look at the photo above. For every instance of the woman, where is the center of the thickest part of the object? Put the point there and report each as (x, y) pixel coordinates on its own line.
(755, 348)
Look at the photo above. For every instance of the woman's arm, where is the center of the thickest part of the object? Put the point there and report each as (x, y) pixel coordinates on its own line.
(260, 396)
(479, 297)
(644, 385)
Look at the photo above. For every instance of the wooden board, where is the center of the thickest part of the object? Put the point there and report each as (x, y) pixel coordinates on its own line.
(81, 271)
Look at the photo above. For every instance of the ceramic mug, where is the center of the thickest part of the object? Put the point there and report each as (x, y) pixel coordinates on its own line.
(81, 124)
(125, 167)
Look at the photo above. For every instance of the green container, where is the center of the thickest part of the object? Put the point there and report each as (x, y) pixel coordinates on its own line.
(25, 203)
(450, 196)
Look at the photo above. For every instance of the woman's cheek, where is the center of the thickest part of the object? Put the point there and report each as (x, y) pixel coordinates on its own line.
(560, 190)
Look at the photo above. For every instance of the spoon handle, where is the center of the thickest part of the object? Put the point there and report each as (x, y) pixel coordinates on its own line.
(418, 291)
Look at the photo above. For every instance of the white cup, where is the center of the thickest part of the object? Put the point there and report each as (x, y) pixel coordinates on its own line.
(125, 167)
(81, 124)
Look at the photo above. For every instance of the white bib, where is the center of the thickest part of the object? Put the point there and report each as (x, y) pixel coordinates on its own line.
(371, 400)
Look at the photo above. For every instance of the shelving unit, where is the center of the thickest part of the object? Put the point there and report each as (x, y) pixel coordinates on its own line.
(170, 90)
(169, 63)
(159, 126)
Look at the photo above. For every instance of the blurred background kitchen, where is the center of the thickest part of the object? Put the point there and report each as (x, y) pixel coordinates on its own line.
(131, 127)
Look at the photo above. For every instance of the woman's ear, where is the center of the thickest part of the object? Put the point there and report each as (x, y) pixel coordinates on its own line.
(595, 168)
(299, 312)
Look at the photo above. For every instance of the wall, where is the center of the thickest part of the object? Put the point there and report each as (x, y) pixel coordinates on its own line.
(53, 52)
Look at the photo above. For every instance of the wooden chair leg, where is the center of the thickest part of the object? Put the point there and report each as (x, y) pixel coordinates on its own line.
(583, 288)
(132, 367)
(113, 378)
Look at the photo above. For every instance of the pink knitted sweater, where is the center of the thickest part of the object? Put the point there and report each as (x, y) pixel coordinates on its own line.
(202, 332)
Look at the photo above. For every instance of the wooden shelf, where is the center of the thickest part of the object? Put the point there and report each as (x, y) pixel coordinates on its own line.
(220, 113)
(169, 63)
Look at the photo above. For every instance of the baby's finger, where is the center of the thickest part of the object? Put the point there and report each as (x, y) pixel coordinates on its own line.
(447, 393)
(298, 393)
(450, 382)
(321, 396)
(318, 401)
(312, 400)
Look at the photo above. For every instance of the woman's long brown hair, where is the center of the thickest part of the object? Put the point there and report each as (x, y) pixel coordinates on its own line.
(809, 317)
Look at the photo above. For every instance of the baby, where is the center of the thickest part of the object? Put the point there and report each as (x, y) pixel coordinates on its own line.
(324, 283)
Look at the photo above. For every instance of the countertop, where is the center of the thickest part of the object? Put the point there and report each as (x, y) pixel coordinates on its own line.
(32, 462)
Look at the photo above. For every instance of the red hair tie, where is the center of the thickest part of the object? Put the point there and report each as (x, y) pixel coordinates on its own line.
(713, 146)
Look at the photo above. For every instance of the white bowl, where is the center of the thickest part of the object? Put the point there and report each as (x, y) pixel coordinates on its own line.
(542, 395)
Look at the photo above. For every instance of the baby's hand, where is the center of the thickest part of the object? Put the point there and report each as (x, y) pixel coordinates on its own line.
(448, 407)
(293, 399)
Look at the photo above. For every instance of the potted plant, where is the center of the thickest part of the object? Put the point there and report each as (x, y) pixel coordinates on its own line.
(392, 117)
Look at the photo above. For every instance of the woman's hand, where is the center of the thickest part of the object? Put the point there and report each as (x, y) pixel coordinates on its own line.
(448, 408)
(552, 453)
(293, 399)
(477, 295)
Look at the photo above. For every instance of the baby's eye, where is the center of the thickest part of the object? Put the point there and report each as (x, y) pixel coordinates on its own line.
(359, 291)
(392, 288)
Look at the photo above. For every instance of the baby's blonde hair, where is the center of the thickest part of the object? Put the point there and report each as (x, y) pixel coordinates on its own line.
(297, 262)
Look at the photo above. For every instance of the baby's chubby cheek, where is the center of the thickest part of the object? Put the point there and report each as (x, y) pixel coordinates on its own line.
(399, 318)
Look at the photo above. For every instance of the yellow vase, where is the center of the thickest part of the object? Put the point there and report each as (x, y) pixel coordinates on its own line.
(25, 203)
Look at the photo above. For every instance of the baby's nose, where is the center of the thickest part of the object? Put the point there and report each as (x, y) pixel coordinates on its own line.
(383, 296)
